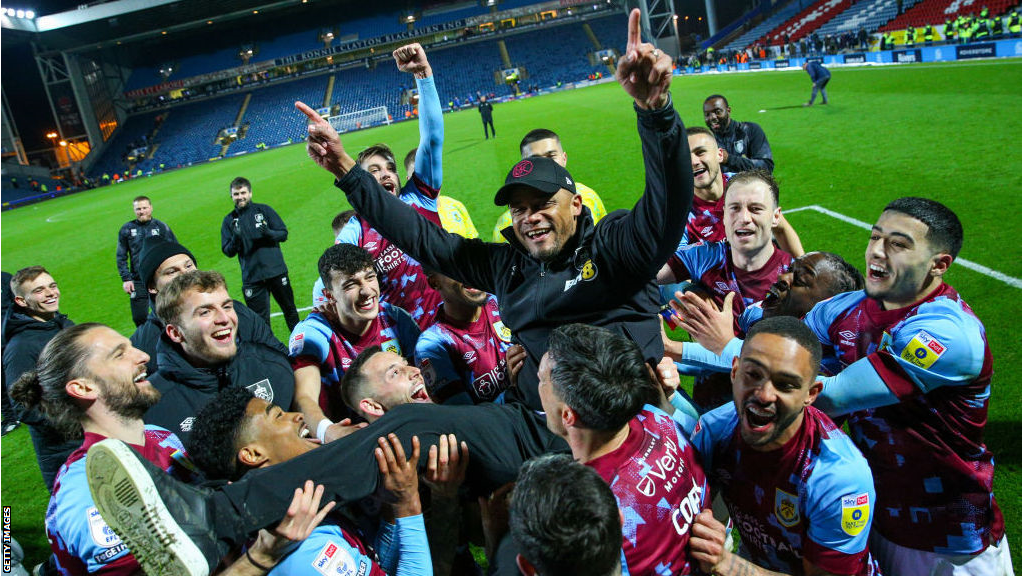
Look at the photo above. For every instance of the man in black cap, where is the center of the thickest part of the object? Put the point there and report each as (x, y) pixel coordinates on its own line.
(129, 246)
(162, 261)
(559, 267)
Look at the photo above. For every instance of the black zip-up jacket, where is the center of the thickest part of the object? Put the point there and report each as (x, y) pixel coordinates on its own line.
(747, 147)
(24, 338)
(129, 245)
(251, 328)
(185, 389)
(255, 233)
(604, 276)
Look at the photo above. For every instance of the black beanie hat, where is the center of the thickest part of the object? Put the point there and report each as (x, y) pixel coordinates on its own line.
(156, 249)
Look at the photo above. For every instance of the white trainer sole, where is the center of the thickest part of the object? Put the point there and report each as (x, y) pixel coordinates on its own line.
(128, 501)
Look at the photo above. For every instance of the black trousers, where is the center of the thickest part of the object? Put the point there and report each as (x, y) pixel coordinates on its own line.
(500, 439)
(257, 298)
(488, 122)
(139, 302)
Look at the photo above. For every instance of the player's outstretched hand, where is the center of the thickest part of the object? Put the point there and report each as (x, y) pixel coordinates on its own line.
(400, 475)
(446, 465)
(644, 72)
(703, 321)
(413, 59)
(303, 515)
(341, 429)
(323, 144)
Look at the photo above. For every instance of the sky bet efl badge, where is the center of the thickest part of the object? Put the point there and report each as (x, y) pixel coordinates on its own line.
(923, 350)
(856, 512)
(502, 331)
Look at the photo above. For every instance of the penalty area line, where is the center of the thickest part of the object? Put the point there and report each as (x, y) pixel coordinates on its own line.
(995, 274)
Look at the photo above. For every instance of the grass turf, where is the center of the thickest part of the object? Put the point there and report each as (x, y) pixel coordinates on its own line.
(950, 132)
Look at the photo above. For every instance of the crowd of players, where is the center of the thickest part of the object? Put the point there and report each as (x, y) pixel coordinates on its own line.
(437, 369)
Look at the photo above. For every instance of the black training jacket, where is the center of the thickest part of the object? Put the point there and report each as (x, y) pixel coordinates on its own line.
(255, 234)
(24, 338)
(604, 277)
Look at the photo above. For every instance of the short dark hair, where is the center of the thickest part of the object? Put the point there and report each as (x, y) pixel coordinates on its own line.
(945, 232)
(601, 375)
(564, 518)
(758, 175)
(538, 135)
(141, 199)
(218, 431)
(27, 274)
(240, 182)
(63, 359)
(347, 259)
(791, 328)
(692, 130)
(355, 383)
(170, 300)
(382, 149)
(845, 276)
(715, 96)
(341, 219)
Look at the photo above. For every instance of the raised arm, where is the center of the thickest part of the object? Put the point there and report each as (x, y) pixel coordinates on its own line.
(413, 59)
(651, 232)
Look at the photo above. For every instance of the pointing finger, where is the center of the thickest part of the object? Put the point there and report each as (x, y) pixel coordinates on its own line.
(633, 37)
(309, 112)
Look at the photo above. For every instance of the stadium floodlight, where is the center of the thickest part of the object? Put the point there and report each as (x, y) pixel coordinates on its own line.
(360, 119)
(30, 14)
(20, 13)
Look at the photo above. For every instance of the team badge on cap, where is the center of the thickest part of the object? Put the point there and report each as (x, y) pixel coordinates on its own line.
(522, 169)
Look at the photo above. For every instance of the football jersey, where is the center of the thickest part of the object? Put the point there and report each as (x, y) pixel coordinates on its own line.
(456, 356)
(402, 280)
(932, 469)
(590, 199)
(455, 218)
(81, 541)
(705, 223)
(314, 342)
(813, 498)
(711, 265)
(659, 484)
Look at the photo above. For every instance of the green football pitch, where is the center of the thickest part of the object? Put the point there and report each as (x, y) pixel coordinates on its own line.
(951, 132)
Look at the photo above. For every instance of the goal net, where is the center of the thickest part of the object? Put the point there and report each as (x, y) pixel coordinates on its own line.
(360, 119)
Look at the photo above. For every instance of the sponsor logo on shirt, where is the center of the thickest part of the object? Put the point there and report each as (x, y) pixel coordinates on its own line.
(502, 331)
(787, 508)
(923, 350)
(372, 245)
(295, 344)
(856, 512)
(186, 424)
(335, 561)
(587, 272)
(133, 232)
(469, 357)
(849, 335)
(101, 534)
(262, 390)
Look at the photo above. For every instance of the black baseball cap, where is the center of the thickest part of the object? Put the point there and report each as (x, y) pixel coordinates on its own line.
(537, 172)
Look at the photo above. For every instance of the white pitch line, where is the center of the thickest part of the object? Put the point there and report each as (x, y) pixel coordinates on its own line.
(1014, 282)
(276, 314)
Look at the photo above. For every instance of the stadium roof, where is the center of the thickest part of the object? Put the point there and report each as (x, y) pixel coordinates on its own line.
(122, 22)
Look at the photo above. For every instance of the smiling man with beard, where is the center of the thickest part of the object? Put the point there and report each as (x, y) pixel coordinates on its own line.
(324, 345)
(798, 491)
(200, 353)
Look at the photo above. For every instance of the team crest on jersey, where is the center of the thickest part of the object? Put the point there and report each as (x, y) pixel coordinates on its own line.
(247, 292)
(391, 346)
(133, 232)
(739, 146)
(856, 513)
(154, 232)
(502, 331)
(262, 390)
(923, 350)
(787, 508)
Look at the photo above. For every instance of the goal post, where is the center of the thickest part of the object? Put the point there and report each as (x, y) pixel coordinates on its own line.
(360, 119)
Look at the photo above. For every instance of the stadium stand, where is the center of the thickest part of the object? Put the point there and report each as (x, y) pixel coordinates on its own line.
(188, 132)
(937, 11)
(269, 105)
(609, 31)
(869, 15)
(770, 23)
(532, 51)
(807, 21)
(133, 131)
(445, 16)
